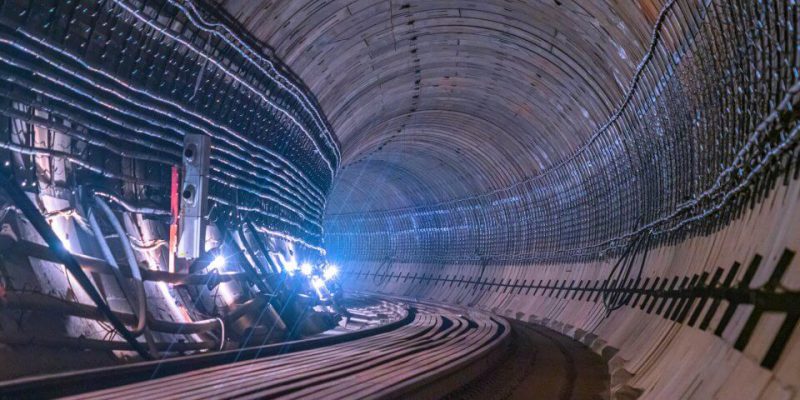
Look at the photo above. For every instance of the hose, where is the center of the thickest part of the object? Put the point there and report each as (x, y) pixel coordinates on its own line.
(123, 284)
(264, 249)
(141, 309)
(248, 268)
(222, 333)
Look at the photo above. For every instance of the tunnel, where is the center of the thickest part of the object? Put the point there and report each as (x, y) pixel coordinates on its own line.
(399, 199)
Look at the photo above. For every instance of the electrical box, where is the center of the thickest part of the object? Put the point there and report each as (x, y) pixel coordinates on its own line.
(194, 196)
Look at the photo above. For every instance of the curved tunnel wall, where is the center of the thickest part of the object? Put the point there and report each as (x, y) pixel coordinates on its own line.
(96, 98)
(712, 317)
(536, 131)
(437, 100)
(706, 125)
(622, 173)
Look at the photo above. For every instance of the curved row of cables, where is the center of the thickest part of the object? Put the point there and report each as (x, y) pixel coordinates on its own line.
(409, 361)
(135, 103)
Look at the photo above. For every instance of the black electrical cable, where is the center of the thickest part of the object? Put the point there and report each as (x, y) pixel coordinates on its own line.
(36, 219)
(137, 302)
(248, 268)
(248, 248)
(617, 295)
(609, 292)
(385, 276)
(383, 263)
(152, 130)
(278, 300)
(646, 249)
(256, 185)
(216, 179)
(264, 250)
(141, 304)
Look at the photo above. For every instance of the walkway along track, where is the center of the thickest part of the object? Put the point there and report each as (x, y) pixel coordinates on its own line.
(429, 353)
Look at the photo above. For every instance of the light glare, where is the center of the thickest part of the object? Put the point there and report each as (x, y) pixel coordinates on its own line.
(330, 272)
(317, 283)
(290, 265)
(306, 269)
(218, 263)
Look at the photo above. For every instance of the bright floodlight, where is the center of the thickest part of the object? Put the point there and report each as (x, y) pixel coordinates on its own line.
(330, 272)
(306, 269)
(290, 266)
(218, 263)
(317, 283)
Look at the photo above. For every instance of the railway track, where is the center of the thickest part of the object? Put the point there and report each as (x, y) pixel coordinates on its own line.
(432, 351)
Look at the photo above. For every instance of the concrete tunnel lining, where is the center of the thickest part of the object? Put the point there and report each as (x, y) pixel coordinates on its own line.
(620, 173)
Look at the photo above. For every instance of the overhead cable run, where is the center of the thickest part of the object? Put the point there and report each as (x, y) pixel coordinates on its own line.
(131, 79)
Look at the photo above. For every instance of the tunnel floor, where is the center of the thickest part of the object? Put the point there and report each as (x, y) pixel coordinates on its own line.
(541, 364)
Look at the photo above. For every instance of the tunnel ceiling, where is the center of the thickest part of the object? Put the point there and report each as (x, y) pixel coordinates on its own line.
(548, 131)
(435, 100)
